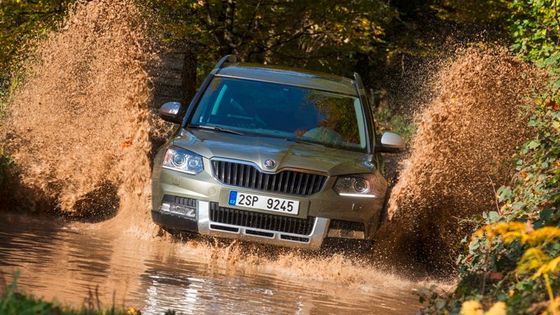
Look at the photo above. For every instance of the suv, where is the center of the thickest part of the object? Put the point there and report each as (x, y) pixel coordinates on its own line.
(272, 155)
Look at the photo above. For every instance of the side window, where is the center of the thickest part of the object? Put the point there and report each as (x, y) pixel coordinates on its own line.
(220, 104)
(207, 104)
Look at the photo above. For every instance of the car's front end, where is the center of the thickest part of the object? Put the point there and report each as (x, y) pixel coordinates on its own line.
(272, 156)
(298, 202)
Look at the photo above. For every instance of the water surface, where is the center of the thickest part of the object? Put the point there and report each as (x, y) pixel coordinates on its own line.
(70, 263)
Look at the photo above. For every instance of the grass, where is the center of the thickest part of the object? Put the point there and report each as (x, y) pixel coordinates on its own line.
(12, 302)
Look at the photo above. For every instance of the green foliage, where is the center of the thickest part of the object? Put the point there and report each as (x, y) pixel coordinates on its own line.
(388, 120)
(536, 29)
(535, 194)
(508, 261)
(471, 11)
(14, 303)
(320, 34)
(21, 20)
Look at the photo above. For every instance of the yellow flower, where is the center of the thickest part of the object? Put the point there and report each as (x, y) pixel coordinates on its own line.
(552, 266)
(475, 308)
(553, 307)
(133, 311)
(499, 308)
(543, 235)
(509, 231)
(471, 308)
(532, 259)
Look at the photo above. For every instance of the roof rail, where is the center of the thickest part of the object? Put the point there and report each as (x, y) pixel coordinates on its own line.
(357, 77)
(225, 59)
(359, 83)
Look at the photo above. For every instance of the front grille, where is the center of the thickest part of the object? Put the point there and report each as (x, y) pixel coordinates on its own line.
(263, 221)
(248, 176)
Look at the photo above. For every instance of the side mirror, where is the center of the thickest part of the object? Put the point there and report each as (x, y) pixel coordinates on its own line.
(170, 112)
(391, 143)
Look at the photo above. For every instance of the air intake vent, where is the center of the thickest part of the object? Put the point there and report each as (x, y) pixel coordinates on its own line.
(248, 176)
(262, 221)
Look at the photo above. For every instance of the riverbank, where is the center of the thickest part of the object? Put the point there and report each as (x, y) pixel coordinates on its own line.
(14, 302)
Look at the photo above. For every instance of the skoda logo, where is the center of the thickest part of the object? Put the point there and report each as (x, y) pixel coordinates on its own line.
(270, 164)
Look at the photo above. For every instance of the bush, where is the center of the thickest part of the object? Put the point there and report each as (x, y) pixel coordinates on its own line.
(514, 260)
(515, 257)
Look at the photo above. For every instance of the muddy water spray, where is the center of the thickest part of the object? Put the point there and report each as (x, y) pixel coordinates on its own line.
(78, 127)
(467, 135)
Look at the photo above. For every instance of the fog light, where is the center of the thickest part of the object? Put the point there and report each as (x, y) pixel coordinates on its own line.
(182, 210)
(165, 207)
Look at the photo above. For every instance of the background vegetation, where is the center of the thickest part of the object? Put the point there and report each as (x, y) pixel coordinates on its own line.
(21, 21)
(513, 262)
(13, 302)
(372, 37)
(382, 40)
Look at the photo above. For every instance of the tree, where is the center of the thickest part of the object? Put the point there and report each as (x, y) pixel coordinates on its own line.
(21, 20)
(321, 34)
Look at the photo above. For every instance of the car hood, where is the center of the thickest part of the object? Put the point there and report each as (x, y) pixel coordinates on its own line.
(286, 154)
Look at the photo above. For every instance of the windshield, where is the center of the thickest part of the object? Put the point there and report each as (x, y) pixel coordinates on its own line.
(276, 110)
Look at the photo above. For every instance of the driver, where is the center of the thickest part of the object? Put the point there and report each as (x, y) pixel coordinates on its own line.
(324, 133)
(322, 126)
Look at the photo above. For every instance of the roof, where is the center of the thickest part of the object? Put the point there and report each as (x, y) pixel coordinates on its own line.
(289, 76)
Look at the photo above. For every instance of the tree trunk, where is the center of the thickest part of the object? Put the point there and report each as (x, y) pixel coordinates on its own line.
(188, 76)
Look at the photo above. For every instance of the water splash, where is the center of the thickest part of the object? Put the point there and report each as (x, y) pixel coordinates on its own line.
(467, 135)
(79, 125)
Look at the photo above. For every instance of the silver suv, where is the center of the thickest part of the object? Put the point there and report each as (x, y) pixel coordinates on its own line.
(272, 155)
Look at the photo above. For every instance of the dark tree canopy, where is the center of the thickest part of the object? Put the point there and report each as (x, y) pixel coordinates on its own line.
(21, 20)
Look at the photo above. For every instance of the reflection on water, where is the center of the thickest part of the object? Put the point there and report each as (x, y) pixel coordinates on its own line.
(62, 262)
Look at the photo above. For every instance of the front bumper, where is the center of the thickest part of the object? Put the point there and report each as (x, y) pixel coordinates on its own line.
(204, 225)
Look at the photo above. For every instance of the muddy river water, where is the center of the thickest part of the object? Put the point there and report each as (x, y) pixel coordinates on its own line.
(69, 262)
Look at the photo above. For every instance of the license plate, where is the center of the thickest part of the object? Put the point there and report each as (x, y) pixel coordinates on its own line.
(263, 202)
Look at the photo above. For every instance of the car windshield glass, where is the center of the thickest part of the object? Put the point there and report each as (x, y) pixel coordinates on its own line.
(276, 110)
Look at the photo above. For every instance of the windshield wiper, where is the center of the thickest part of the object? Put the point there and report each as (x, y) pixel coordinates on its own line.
(299, 140)
(214, 128)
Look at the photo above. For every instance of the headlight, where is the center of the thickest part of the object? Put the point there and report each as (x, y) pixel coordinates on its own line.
(182, 160)
(354, 186)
